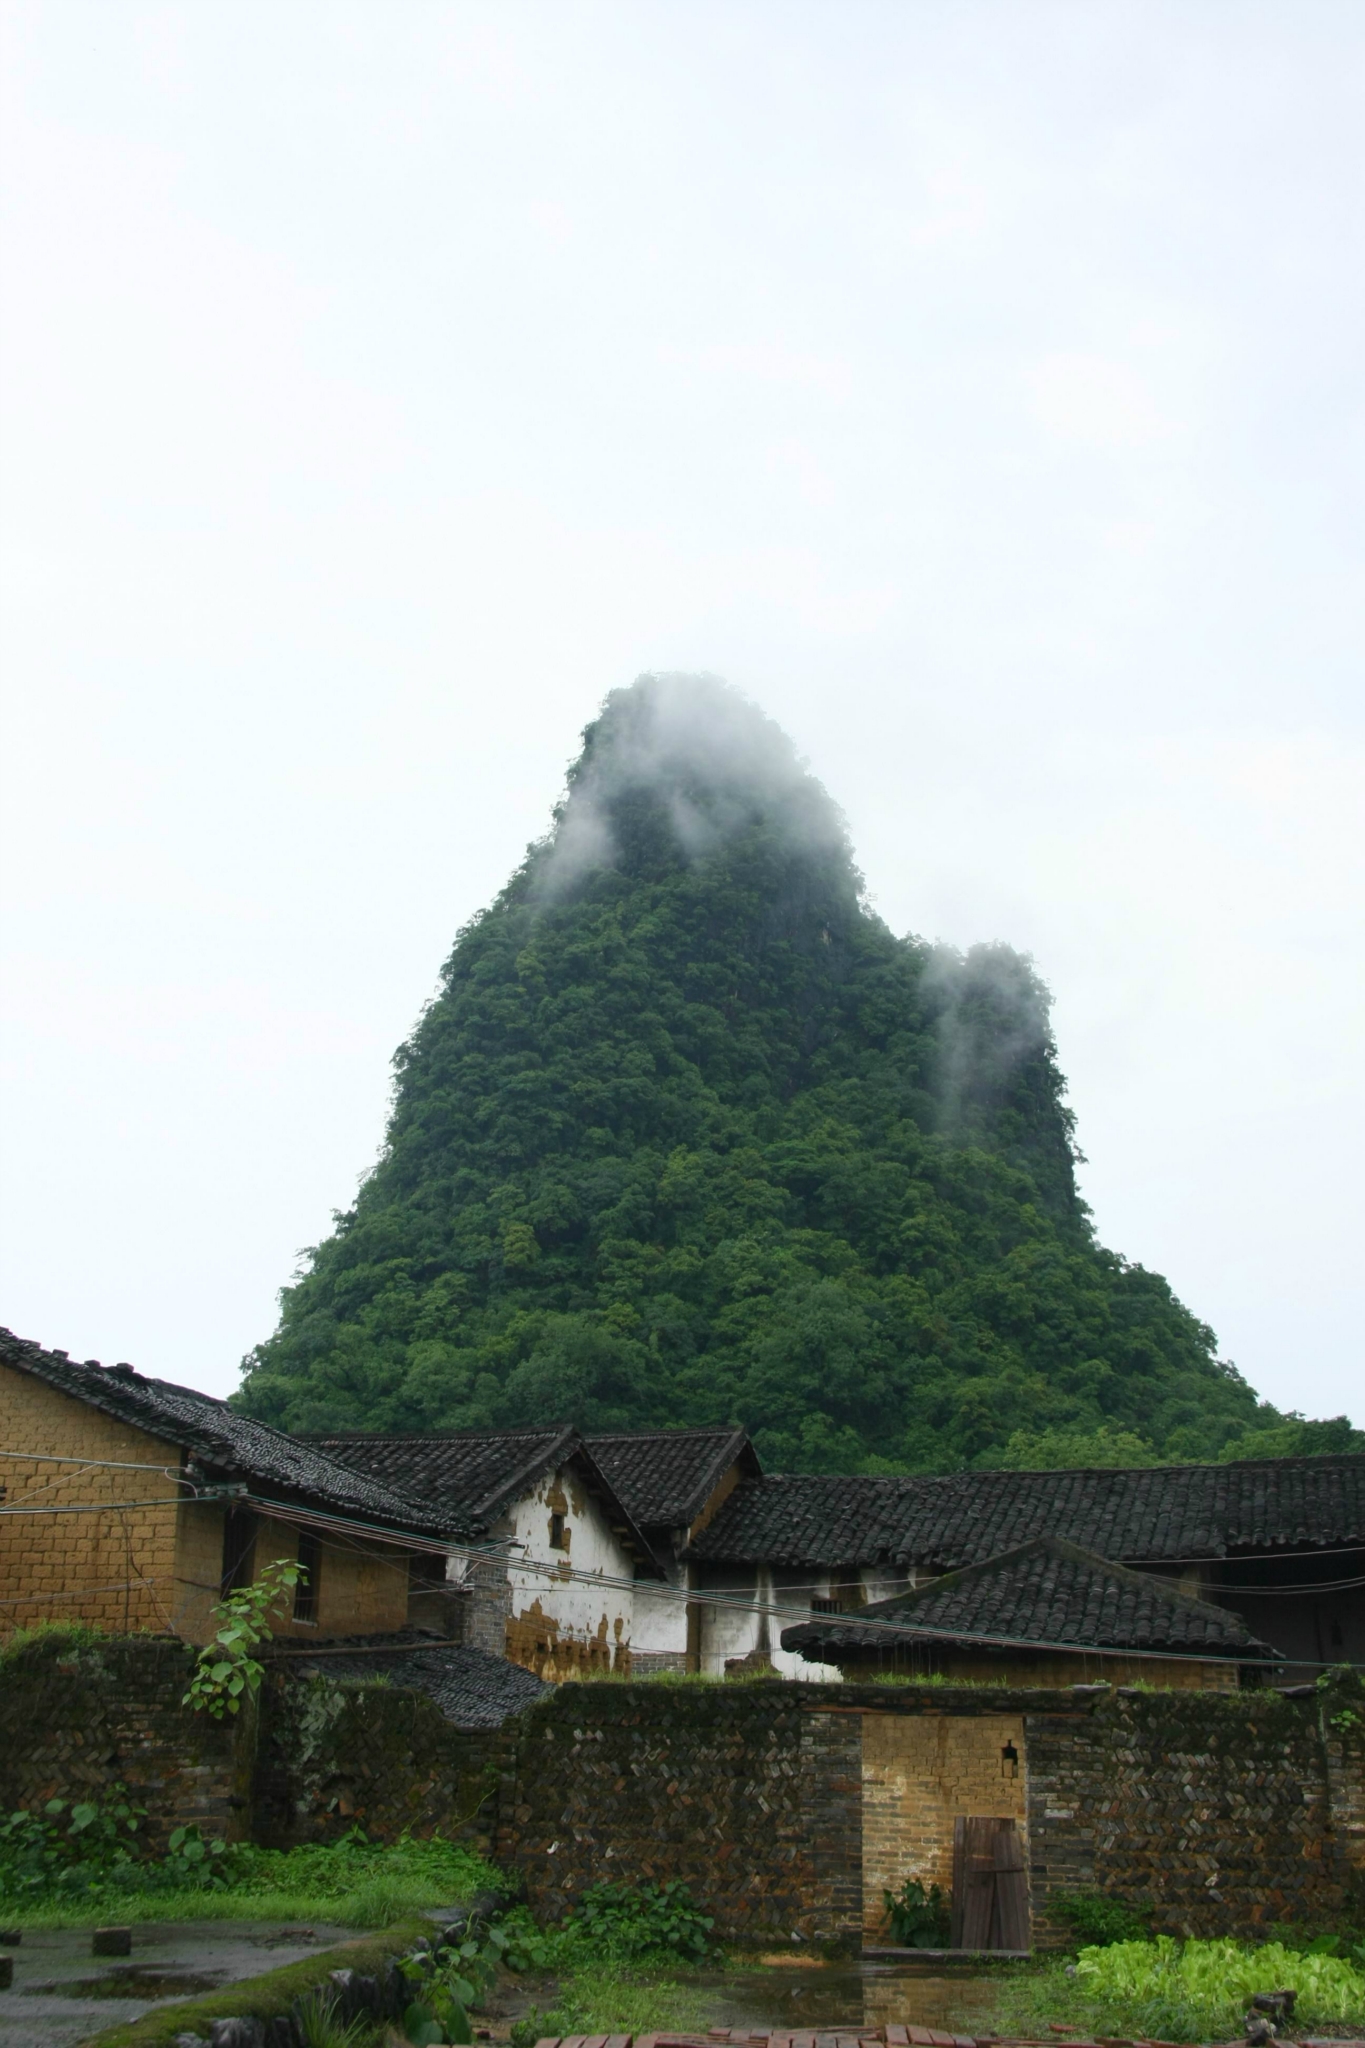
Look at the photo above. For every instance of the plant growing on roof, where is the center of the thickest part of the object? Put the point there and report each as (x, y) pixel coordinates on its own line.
(225, 1671)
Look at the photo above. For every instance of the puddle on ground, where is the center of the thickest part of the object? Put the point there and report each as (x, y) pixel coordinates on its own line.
(132, 1981)
(855, 1995)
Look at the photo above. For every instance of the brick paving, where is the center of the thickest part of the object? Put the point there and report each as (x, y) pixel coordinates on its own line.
(875, 2037)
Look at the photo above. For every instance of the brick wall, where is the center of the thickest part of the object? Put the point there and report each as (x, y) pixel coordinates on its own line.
(489, 1606)
(113, 1566)
(920, 1771)
(1053, 1670)
(138, 1555)
(78, 1717)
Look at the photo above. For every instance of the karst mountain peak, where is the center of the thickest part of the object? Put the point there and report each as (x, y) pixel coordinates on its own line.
(689, 1136)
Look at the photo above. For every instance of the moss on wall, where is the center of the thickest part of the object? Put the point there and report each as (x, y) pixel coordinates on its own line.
(338, 1754)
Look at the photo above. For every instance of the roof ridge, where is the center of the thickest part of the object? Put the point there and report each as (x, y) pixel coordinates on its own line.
(426, 1436)
(158, 1407)
(1079, 1553)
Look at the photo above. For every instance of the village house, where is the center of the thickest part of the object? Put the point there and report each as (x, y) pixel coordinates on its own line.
(1046, 1614)
(674, 1482)
(134, 1504)
(1277, 1542)
(552, 1564)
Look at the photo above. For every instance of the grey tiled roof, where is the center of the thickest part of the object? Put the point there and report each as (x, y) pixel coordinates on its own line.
(226, 1444)
(472, 1688)
(666, 1476)
(1156, 1514)
(474, 1475)
(1048, 1593)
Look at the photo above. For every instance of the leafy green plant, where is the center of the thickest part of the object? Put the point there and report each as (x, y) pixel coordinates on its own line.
(1200, 1989)
(458, 1982)
(1098, 1919)
(225, 1671)
(68, 1849)
(644, 1920)
(190, 1861)
(1342, 1679)
(1171, 1991)
(614, 1927)
(54, 1868)
(916, 1916)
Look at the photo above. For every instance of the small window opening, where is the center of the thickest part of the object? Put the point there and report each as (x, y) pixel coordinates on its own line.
(306, 1591)
(821, 1605)
(1009, 1761)
(239, 1549)
(557, 1533)
(426, 1568)
(1334, 1634)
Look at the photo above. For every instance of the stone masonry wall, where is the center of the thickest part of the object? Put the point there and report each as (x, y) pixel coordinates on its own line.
(750, 1794)
(335, 1755)
(1215, 1813)
(1212, 1812)
(78, 1717)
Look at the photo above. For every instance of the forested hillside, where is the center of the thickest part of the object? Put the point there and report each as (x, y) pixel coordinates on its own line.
(689, 1136)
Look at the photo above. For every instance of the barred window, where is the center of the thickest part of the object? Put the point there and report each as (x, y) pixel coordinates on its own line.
(306, 1591)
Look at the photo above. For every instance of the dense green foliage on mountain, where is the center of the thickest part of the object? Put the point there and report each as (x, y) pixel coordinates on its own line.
(689, 1136)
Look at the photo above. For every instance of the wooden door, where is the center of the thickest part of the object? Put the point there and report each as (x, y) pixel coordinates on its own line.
(990, 1884)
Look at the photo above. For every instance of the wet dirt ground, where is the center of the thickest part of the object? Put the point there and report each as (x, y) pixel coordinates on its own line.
(62, 1993)
(782, 1992)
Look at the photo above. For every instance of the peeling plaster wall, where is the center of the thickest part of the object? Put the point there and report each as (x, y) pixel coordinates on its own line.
(779, 1599)
(559, 1626)
(660, 1627)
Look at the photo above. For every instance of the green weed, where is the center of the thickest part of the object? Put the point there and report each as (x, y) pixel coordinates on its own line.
(1190, 1991)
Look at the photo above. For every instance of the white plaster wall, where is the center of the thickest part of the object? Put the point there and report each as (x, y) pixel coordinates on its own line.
(883, 1582)
(736, 1631)
(579, 1621)
(661, 1617)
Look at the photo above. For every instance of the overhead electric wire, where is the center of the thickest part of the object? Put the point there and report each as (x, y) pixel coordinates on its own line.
(772, 1607)
(663, 1588)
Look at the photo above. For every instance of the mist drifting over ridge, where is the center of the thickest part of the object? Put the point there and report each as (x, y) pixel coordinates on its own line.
(688, 1135)
(687, 759)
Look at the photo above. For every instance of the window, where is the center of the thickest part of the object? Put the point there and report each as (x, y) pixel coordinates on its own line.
(820, 1605)
(557, 1541)
(239, 1549)
(306, 1591)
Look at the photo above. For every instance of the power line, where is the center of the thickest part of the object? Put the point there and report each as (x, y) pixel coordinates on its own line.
(770, 1606)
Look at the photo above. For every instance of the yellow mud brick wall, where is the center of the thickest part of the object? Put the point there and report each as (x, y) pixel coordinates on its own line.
(362, 1587)
(920, 1771)
(141, 1556)
(1180, 1674)
(112, 1566)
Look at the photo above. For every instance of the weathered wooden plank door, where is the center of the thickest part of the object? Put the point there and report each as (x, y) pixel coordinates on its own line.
(990, 1884)
(1009, 1926)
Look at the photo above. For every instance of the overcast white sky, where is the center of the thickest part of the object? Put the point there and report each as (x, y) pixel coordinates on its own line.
(978, 386)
